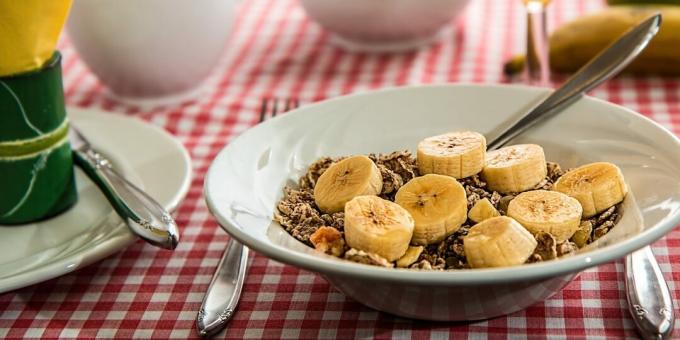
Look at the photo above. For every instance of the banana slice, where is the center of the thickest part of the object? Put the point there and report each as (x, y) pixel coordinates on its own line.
(411, 256)
(482, 210)
(582, 235)
(378, 226)
(438, 205)
(597, 186)
(515, 168)
(547, 211)
(457, 154)
(351, 177)
(498, 242)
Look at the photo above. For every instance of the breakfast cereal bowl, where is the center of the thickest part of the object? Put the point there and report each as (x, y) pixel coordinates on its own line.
(246, 180)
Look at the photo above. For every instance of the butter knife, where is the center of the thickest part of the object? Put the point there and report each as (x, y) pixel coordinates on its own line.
(144, 216)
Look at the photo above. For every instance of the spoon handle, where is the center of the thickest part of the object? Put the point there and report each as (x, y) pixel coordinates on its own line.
(224, 291)
(604, 66)
(144, 216)
(649, 300)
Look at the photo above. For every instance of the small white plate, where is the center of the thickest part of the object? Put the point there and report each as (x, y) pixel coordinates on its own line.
(91, 230)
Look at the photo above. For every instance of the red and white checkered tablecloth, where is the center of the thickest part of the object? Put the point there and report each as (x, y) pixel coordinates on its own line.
(275, 51)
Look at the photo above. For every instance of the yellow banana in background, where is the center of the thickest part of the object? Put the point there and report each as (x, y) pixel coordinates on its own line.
(29, 30)
(576, 42)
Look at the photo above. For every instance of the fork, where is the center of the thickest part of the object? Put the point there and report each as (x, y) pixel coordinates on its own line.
(224, 292)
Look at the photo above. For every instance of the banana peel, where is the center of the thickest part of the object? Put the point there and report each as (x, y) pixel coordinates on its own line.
(575, 43)
(29, 30)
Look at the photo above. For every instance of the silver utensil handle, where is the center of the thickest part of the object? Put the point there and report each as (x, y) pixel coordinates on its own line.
(604, 66)
(143, 215)
(224, 291)
(649, 299)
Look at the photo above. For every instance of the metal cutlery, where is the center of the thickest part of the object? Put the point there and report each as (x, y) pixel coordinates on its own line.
(144, 216)
(224, 292)
(649, 299)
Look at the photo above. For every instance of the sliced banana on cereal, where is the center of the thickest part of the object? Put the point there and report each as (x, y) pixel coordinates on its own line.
(482, 210)
(498, 242)
(351, 177)
(457, 154)
(378, 226)
(547, 211)
(438, 205)
(515, 168)
(410, 257)
(597, 186)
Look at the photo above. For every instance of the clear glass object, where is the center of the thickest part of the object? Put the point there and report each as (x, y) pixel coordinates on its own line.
(537, 60)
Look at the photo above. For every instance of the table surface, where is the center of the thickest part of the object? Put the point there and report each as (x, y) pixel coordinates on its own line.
(275, 51)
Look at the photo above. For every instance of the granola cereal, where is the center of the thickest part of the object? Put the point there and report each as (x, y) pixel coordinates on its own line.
(546, 248)
(299, 215)
(549, 249)
(396, 168)
(361, 256)
(603, 222)
(308, 181)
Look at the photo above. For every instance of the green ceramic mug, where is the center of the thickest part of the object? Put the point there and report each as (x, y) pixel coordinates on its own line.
(36, 168)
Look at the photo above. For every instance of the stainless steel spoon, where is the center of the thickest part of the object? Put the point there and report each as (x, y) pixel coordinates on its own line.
(649, 299)
(144, 216)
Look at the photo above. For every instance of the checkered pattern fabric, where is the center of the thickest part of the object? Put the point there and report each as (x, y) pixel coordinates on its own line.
(276, 51)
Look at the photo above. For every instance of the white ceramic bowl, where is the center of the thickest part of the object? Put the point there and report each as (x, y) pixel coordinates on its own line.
(151, 52)
(383, 25)
(246, 180)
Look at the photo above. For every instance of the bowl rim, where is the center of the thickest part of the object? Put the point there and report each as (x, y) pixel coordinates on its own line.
(534, 271)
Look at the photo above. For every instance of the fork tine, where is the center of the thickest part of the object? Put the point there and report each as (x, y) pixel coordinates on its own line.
(292, 103)
(263, 110)
(275, 108)
(287, 107)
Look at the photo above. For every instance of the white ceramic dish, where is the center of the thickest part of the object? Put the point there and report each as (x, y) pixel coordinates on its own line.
(246, 180)
(91, 230)
(151, 52)
(385, 25)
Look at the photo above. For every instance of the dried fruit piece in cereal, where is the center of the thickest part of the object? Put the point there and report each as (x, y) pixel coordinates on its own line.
(328, 240)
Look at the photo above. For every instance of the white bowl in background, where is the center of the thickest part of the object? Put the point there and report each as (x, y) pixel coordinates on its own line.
(151, 52)
(246, 180)
(383, 25)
